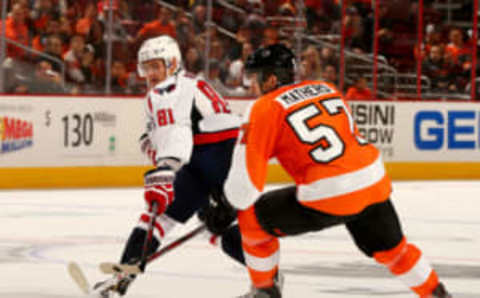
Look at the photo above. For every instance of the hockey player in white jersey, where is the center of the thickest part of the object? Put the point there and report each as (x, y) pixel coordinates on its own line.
(190, 135)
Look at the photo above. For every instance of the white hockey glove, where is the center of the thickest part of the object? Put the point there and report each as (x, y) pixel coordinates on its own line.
(146, 146)
(159, 188)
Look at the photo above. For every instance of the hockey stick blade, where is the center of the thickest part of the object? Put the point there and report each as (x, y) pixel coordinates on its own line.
(110, 268)
(78, 277)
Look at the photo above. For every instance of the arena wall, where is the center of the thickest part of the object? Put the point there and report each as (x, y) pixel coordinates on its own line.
(92, 141)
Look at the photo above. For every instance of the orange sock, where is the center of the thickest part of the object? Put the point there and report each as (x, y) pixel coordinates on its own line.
(406, 262)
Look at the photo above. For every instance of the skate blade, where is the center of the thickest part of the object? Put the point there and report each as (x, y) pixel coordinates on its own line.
(78, 277)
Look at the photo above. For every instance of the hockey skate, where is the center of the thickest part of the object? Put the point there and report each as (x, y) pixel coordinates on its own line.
(440, 292)
(119, 284)
(272, 292)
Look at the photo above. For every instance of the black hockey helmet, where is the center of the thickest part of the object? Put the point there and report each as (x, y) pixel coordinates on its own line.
(275, 59)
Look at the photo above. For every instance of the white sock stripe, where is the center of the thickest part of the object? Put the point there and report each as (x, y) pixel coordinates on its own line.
(162, 220)
(418, 274)
(166, 223)
(262, 264)
(142, 225)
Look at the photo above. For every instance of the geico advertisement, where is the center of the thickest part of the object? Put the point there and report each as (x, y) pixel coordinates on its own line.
(421, 131)
(69, 131)
(446, 131)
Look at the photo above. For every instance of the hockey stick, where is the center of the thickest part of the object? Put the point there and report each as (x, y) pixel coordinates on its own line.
(177, 242)
(109, 268)
(148, 238)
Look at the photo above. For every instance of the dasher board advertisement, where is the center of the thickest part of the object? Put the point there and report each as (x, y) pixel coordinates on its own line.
(69, 131)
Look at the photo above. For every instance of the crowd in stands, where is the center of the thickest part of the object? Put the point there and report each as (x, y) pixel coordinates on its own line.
(70, 39)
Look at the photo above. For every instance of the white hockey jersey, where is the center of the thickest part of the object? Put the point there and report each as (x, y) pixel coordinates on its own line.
(183, 111)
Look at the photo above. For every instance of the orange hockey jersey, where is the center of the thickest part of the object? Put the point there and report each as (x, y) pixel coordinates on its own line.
(309, 129)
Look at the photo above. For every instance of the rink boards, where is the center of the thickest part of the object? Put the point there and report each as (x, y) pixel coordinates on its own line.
(92, 141)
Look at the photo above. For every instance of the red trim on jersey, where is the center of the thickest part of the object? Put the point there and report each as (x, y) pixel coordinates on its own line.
(149, 102)
(215, 137)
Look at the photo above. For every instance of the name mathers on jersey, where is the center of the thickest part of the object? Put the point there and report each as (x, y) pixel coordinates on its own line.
(185, 100)
(302, 93)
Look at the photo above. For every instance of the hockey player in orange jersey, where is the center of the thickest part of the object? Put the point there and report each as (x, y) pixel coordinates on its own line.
(339, 179)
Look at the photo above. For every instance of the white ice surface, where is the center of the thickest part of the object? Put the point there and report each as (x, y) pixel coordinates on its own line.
(41, 231)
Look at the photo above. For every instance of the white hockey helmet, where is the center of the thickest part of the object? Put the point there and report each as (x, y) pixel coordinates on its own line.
(162, 47)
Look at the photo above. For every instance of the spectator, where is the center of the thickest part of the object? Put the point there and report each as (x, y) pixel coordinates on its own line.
(359, 90)
(43, 11)
(54, 48)
(255, 20)
(242, 36)
(311, 57)
(327, 56)
(355, 33)
(236, 76)
(457, 46)
(433, 37)
(163, 25)
(270, 36)
(439, 70)
(213, 77)
(45, 80)
(84, 24)
(321, 15)
(217, 51)
(184, 30)
(230, 20)
(329, 74)
(78, 58)
(40, 40)
(193, 61)
(120, 77)
(95, 38)
(305, 71)
(66, 31)
(143, 11)
(16, 30)
(199, 18)
(396, 35)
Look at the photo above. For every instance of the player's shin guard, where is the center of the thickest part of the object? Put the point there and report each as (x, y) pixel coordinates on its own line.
(406, 262)
(134, 247)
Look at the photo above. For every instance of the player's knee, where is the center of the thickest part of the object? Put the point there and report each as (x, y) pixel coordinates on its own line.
(251, 231)
(390, 256)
